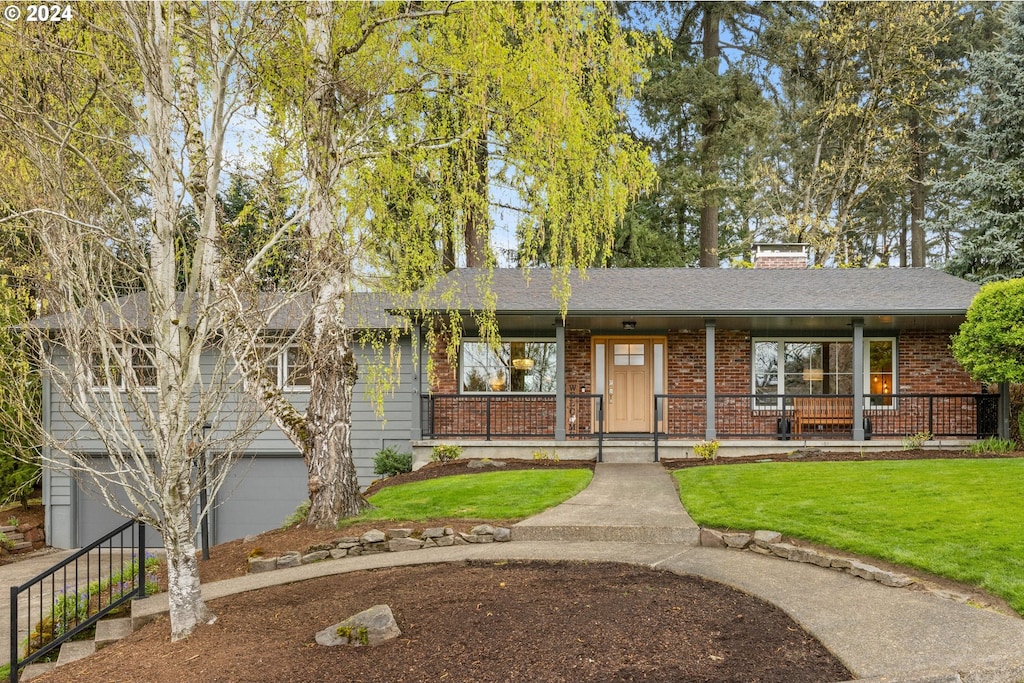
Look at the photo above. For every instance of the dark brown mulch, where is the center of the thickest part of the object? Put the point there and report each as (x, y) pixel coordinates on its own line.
(483, 622)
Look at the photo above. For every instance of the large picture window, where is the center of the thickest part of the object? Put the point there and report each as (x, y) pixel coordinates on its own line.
(808, 367)
(521, 366)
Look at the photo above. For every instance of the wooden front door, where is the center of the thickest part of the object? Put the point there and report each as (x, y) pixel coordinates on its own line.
(629, 389)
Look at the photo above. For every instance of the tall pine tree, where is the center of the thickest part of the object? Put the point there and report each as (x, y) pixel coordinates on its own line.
(992, 213)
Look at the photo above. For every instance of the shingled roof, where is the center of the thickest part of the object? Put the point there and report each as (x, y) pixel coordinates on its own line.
(722, 292)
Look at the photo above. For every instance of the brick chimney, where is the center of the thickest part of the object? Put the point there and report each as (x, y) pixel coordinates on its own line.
(781, 255)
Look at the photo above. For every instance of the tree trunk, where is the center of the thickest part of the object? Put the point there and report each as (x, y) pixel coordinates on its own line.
(477, 223)
(710, 130)
(187, 608)
(333, 485)
(917, 195)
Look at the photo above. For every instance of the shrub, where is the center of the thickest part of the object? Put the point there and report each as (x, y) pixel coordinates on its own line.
(706, 449)
(5, 543)
(545, 455)
(389, 462)
(445, 452)
(991, 445)
(916, 440)
(297, 517)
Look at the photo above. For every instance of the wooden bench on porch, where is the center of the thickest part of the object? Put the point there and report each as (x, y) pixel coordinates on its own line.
(831, 413)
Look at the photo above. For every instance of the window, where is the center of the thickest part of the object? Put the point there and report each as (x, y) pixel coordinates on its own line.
(801, 367)
(289, 368)
(522, 366)
(142, 369)
(295, 371)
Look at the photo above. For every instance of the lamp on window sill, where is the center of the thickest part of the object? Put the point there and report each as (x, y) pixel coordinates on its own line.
(522, 363)
(813, 374)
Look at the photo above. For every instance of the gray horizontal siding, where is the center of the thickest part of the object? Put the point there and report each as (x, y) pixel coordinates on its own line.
(370, 433)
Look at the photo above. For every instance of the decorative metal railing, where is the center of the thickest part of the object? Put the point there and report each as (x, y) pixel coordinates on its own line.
(71, 596)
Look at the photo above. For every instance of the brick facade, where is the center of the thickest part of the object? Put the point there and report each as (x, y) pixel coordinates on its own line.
(925, 366)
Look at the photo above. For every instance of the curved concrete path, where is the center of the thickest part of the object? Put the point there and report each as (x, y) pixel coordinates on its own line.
(881, 634)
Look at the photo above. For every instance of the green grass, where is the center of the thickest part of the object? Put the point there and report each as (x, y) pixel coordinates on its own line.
(491, 495)
(962, 519)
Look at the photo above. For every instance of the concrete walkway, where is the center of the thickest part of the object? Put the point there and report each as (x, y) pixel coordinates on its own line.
(635, 503)
(881, 634)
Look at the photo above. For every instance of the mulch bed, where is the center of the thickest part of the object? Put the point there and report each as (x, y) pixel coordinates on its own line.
(483, 622)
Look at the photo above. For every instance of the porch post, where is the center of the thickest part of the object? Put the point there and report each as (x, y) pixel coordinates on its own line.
(416, 414)
(709, 379)
(858, 379)
(1004, 410)
(560, 380)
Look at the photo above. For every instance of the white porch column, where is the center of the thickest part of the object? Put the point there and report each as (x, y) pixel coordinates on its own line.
(709, 379)
(560, 380)
(858, 379)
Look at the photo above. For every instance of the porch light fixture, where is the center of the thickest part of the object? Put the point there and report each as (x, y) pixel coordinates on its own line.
(522, 363)
(629, 324)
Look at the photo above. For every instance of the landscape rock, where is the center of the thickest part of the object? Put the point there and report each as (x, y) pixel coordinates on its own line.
(482, 530)
(318, 547)
(429, 543)
(864, 571)
(397, 545)
(893, 579)
(292, 559)
(709, 538)
(374, 548)
(339, 553)
(457, 540)
(480, 464)
(739, 541)
(841, 563)
(251, 538)
(262, 564)
(444, 541)
(399, 533)
(370, 627)
(502, 534)
(373, 536)
(433, 532)
(355, 550)
(783, 550)
(315, 556)
(762, 538)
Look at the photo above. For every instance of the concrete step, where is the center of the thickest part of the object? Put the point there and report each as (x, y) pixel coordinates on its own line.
(627, 454)
(110, 631)
(74, 650)
(613, 534)
(33, 670)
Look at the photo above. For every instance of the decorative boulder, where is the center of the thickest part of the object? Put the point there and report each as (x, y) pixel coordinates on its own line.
(370, 627)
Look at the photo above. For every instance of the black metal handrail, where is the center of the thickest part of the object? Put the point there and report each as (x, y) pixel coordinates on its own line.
(585, 419)
(64, 627)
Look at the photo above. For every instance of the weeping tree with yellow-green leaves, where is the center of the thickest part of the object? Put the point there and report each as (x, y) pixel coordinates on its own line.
(410, 124)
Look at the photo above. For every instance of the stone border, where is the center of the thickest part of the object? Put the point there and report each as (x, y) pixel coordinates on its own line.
(770, 543)
(375, 541)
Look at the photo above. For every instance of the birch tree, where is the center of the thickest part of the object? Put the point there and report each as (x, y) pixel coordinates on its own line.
(101, 116)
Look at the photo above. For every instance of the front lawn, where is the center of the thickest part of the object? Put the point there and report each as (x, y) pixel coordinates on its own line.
(962, 519)
(490, 495)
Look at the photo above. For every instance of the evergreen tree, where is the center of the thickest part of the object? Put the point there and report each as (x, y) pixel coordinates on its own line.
(992, 215)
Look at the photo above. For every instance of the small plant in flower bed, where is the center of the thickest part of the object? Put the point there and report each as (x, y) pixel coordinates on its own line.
(706, 449)
(914, 441)
(74, 605)
(545, 455)
(445, 452)
(991, 445)
(5, 543)
(389, 462)
(297, 517)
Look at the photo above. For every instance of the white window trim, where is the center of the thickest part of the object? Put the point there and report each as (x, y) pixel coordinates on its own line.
(866, 380)
(510, 340)
(283, 371)
(121, 385)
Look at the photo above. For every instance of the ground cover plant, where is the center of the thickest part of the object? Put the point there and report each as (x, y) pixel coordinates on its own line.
(956, 518)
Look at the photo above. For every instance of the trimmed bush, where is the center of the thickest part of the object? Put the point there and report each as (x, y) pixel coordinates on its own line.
(389, 462)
